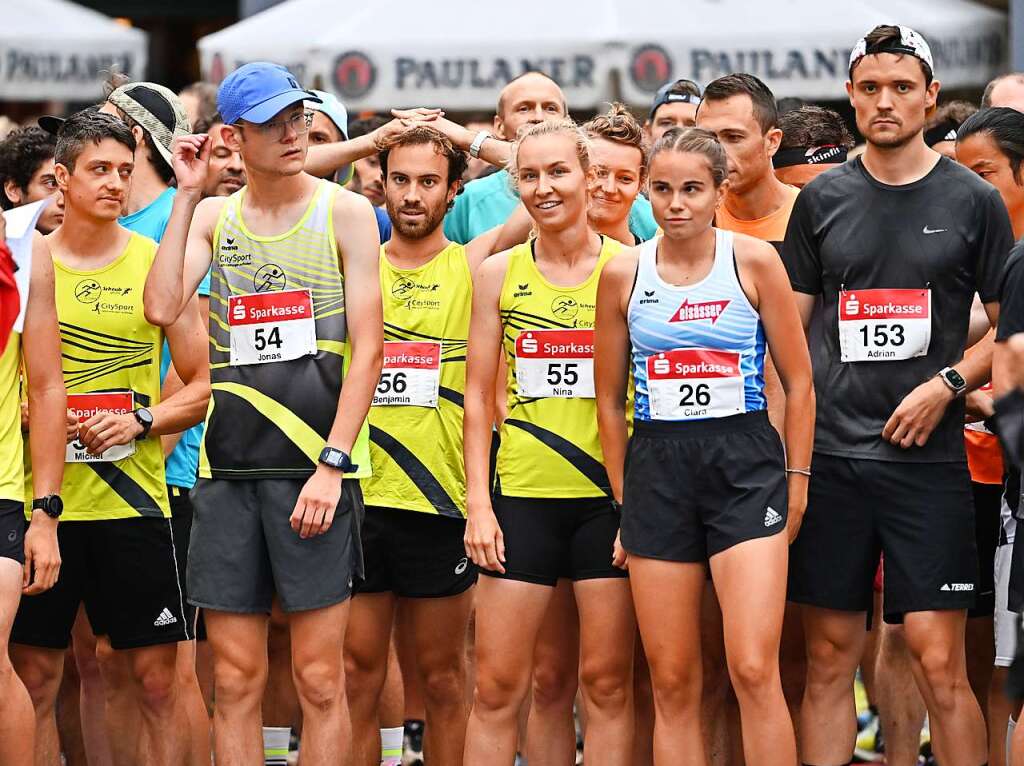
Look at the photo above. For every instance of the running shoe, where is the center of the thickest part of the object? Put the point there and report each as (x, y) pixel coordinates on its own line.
(870, 746)
(412, 744)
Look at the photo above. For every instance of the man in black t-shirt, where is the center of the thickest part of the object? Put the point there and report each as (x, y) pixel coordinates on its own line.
(896, 243)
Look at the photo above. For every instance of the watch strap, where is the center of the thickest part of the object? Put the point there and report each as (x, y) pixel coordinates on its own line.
(478, 141)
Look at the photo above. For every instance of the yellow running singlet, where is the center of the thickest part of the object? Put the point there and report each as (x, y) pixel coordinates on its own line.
(416, 419)
(549, 443)
(12, 467)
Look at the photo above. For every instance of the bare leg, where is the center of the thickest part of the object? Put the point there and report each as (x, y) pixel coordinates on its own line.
(367, 644)
(320, 681)
(716, 688)
(94, 693)
(1000, 708)
(164, 734)
(442, 665)
(750, 579)
(550, 732)
(404, 645)
(936, 643)
(69, 714)
(40, 671)
(1017, 744)
(606, 669)
(17, 718)
(280, 702)
(793, 662)
(900, 707)
(643, 704)
(508, 618)
(671, 638)
(122, 719)
(239, 644)
(828, 718)
(981, 655)
(193, 704)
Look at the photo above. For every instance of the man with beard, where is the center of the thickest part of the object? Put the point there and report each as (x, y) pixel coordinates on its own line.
(416, 498)
(896, 243)
(227, 173)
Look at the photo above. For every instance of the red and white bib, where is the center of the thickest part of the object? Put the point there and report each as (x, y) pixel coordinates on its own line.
(87, 405)
(411, 374)
(694, 383)
(271, 327)
(884, 325)
(555, 363)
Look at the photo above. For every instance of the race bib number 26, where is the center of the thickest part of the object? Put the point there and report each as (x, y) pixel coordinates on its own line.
(271, 327)
(695, 383)
(555, 363)
(85, 406)
(884, 325)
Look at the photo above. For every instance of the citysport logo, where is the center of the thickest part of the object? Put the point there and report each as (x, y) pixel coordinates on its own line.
(650, 67)
(354, 74)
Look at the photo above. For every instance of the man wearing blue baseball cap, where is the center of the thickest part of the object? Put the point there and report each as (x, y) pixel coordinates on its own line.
(296, 312)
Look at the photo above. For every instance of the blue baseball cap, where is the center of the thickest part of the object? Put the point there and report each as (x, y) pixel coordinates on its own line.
(333, 108)
(257, 91)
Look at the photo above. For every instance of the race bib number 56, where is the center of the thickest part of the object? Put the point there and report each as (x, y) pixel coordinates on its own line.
(555, 363)
(271, 327)
(884, 325)
(85, 406)
(411, 374)
(694, 383)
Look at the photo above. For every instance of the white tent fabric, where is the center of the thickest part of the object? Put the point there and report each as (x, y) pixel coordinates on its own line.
(798, 47)
(409, 53)
(57, 50)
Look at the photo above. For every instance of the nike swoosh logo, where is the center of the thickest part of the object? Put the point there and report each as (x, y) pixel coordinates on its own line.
(926, 230)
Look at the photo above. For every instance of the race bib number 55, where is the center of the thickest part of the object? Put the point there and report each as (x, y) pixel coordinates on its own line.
(884, 325)
(87, 405)
(695, 383)
(271, 327)
(555, 363)
(411, 374)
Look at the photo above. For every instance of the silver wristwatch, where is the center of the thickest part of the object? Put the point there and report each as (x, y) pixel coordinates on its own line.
(478, 141)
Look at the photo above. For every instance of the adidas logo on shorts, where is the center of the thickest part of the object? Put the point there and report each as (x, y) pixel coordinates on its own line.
(165, 618)
(772, 517)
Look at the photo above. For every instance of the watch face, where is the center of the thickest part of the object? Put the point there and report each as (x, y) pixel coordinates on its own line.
(56, 505)
(956, 379)
(144, 415)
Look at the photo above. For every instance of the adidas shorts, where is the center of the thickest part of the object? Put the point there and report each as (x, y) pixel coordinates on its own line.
(920, 515)
(694, 489)
(414, 554)
(126, 573)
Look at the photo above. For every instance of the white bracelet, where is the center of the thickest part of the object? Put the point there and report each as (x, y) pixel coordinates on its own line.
(801, 471)
(478, 141)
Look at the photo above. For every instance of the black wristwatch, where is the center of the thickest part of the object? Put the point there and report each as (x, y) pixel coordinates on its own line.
(51, 505)
(953, 379)
(145, 419)
(335, 458)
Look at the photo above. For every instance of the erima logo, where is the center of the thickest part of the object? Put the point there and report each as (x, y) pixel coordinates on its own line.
(165, 618)
(926, 230)
(523, 291)
(961, 586)
(461, 566)
(694, 312)
(772, 517)
(648, 298)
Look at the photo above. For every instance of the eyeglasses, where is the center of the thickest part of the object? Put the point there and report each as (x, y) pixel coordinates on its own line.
(278, 129)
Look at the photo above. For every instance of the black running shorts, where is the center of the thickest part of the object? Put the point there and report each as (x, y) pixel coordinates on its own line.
(920, 515)
(12, 530)
(549, 539)
(414, 554)
(127, 574)
(694, 489)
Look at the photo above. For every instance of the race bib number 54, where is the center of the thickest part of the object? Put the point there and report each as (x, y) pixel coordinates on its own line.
(884, 325)
(694, 383)
(85, 406)
(411, 374)
(271, 327)
(555, 363)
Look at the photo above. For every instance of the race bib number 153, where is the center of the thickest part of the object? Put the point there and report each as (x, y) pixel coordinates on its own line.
(884, 325)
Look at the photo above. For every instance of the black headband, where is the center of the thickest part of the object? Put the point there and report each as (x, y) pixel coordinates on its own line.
(829, 154)
(944, 131)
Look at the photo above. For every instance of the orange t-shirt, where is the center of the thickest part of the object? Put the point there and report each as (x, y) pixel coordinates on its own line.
(771, 228)
(984, 455)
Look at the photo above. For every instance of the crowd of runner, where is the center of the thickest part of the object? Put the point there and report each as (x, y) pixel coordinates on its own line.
(397, 440)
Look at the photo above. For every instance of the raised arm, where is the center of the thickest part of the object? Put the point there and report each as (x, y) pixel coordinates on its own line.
(186, 250)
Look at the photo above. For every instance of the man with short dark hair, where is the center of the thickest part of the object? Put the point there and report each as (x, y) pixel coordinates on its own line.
(26, 174)
(674, 106)
(814, 140)
(227, 173)
(896, 244)
(115, 534)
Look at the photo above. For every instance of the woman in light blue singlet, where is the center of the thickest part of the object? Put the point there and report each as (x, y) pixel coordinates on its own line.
(691, 314)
